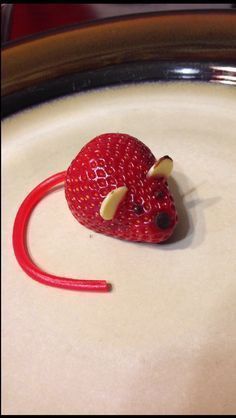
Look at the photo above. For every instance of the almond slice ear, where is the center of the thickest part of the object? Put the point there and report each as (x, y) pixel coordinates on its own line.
(111, 202)
(162, 167)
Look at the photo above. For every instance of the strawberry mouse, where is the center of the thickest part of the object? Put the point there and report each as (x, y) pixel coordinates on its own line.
(114, 186)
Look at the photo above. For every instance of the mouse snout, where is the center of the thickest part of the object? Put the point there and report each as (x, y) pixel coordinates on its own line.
(163, 220)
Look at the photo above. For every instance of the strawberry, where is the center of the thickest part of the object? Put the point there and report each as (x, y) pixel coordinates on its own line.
(116, 187)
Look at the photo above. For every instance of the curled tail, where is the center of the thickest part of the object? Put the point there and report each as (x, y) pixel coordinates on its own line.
(20, 243)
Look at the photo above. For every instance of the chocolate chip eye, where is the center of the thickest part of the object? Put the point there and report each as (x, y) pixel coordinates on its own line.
(138, 209)
(163, 220)
(159, 194)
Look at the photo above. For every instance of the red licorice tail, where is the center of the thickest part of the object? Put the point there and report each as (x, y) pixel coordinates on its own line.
(20, 243)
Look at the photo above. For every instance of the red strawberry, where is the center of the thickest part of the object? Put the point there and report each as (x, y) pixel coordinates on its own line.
(114, 186)
(144, 212)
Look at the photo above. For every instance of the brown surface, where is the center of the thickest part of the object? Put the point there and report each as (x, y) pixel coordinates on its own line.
(199, 36)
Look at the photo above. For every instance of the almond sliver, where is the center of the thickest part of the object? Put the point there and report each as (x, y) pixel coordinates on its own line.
(111, 202)
(162, 167)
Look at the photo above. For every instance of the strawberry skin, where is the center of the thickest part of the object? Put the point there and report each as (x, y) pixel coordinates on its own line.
(111, 160)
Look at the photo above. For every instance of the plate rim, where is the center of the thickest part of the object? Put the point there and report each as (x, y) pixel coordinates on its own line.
(112, 42)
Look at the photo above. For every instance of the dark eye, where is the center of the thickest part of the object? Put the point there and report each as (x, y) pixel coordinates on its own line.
(159, 194)
(138, 209)
(163, 220)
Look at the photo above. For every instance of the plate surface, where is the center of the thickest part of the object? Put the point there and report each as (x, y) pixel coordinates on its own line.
(163, 341)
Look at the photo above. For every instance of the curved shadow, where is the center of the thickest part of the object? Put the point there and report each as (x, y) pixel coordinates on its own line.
(185, 225)
(191, 228)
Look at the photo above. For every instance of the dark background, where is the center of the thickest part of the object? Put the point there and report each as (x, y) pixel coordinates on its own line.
(23, 19)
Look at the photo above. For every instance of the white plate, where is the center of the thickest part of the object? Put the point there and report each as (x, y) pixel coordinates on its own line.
(163, 341)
